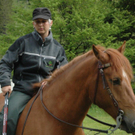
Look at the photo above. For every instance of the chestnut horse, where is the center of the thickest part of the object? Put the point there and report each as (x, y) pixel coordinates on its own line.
(72, 89)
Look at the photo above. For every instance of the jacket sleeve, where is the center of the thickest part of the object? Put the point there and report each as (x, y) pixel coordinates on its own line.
(62, 59)
(7, 63)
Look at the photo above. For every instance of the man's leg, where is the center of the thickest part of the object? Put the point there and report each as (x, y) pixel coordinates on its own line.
(17, 102)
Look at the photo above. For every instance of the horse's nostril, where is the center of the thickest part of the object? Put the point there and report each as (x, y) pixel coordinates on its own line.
(133, 124)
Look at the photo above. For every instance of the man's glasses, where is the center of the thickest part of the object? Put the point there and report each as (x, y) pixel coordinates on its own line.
(41, 22)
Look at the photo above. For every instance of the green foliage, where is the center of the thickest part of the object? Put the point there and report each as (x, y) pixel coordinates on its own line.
(5, 42)
(79, 27)
(125, 4)
(21, 19)
(5, 9)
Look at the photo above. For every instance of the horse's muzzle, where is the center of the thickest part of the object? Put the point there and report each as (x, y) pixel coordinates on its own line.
(128, 126)
(133, 123)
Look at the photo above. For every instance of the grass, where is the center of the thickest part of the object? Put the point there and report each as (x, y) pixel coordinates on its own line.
(103, 116)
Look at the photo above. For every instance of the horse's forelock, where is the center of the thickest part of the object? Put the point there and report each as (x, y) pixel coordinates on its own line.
(120, 61)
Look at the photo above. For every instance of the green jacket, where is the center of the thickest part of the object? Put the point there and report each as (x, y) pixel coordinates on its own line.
(31, 61)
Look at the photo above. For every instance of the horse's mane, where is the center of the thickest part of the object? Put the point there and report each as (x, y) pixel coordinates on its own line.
(118, 60)
(77, 59)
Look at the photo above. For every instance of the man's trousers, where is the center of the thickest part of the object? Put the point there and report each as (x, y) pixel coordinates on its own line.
(17, 102)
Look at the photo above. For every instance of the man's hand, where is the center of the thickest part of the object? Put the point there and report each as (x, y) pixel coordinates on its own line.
(6, 89)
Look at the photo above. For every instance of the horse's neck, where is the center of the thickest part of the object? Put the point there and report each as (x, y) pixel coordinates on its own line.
(68, 95)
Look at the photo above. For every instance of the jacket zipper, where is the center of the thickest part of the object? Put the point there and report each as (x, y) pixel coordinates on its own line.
(40, 61)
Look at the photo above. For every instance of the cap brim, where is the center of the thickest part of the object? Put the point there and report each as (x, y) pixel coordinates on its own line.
(41, 16)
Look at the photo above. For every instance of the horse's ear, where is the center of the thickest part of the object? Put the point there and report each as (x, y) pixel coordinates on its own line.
(96, 51)
(103, 57)
(122, 48)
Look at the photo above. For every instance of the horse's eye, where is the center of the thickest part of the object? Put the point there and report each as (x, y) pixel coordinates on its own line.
(115, 81)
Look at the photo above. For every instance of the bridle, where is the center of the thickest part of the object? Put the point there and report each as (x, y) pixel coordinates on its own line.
(119, 117)
(105, 86)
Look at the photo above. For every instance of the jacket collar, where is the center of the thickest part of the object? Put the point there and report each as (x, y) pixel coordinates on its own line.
(39, 38)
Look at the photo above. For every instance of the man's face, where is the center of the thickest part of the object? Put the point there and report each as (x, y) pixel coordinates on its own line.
(42, 26)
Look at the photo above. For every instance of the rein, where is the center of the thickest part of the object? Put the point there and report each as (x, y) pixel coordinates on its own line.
(43, 84)
(41, 98)
(105, 85)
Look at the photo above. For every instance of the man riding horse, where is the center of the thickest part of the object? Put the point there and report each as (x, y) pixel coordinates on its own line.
(32, 58)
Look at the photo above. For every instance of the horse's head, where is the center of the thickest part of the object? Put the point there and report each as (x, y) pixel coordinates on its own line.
(118, 77)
